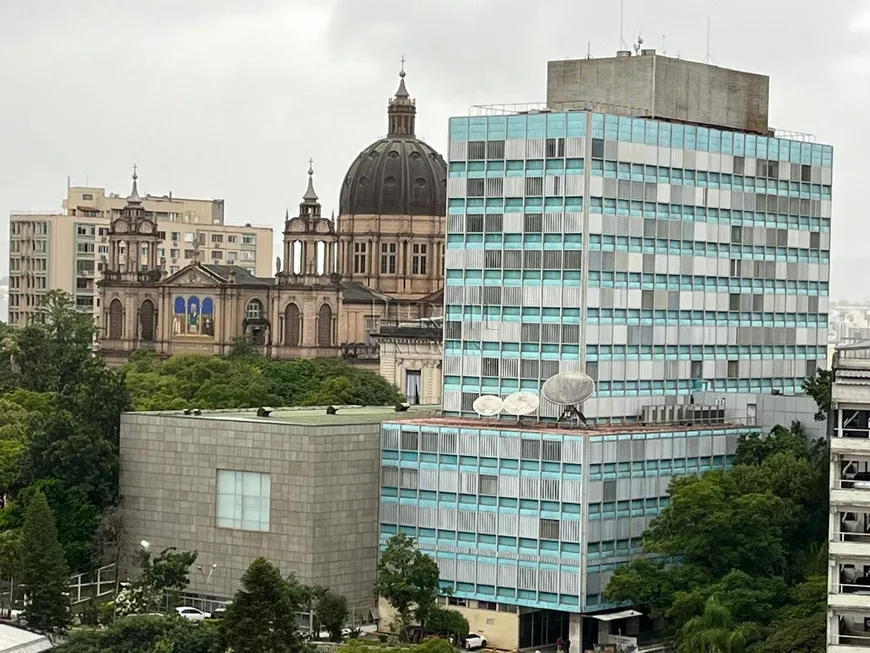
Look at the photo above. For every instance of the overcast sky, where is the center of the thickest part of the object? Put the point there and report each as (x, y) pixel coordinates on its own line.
(229, 98)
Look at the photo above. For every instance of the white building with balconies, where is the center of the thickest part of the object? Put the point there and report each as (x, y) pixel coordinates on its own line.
(849, 533)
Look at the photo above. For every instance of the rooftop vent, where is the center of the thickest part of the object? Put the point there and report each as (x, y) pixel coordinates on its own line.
(623, 53)
(647, 52)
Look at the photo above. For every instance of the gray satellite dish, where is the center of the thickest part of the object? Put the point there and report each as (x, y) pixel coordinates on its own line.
(521, 403)
(488, 405)
(569, 390)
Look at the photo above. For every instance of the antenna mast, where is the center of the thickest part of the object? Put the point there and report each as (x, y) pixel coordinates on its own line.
(622, 43)
(707, 60)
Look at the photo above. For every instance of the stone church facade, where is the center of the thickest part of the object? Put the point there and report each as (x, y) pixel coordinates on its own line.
(380, 262)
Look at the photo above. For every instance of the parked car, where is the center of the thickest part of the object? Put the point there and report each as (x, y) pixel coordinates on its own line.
(221, 611)
(474, 640)
(192, 614)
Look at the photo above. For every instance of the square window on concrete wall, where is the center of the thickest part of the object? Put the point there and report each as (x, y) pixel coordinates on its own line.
(243, 500)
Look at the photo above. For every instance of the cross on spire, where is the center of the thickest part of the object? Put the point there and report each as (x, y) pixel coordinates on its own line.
(402, 72)
(310, 166)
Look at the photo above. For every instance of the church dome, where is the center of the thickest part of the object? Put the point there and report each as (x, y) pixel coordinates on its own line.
(399, 174)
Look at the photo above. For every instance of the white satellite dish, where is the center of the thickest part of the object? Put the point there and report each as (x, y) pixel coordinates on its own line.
(488, 405)
(569, 390)
(521, 403)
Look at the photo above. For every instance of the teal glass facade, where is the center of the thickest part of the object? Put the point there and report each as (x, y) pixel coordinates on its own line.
(662, 260)
(692, 258)
(530, 517)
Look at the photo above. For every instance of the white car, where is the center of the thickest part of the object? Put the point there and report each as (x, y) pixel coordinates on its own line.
(473, 640)
(192, 614)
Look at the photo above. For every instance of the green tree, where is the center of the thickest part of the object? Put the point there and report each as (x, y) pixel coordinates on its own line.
(435, 645)
(818, 387)
(447, 623)
(45, 573)
(165, 573)
(716, 631)
(146, 634)
(408, 579)
(332, 613)
(262, 617)
(746, 539)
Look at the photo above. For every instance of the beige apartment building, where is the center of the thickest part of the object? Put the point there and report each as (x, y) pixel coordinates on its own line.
(68, 250)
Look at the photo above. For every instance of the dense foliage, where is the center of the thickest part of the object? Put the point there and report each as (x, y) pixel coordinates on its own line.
(262, 617)
(146, 634)
(408, 580)
(751, 576)
(60, 412)
(248, 381)
(819, 388)
(45, 573)
(159, 576)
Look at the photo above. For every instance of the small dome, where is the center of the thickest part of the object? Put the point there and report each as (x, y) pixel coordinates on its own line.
(396, 176)
(399, 174)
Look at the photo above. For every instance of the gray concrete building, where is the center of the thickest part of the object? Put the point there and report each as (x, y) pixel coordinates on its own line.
(299, 487)
(662, 88)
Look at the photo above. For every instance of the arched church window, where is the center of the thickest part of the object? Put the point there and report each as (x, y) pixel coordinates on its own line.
(291, 325)
(116, 320)
(254, 310)
(324, 326)
(147, 321)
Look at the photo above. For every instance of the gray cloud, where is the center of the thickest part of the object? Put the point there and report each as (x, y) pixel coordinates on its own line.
(229, 98)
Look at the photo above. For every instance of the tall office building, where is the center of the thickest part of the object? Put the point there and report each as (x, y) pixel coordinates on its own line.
(660, 256)
(65, 250)
(650, 230)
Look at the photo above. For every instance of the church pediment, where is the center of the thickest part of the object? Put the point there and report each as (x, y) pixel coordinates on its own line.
(192, 276)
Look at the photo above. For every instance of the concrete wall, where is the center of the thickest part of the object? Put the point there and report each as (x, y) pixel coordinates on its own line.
(501, 629)
(324, 497)
(661, 87)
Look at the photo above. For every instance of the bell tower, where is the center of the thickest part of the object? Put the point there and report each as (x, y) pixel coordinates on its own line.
(309, 240)
(133, 241)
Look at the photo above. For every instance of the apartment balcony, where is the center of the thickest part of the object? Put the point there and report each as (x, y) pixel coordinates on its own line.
(847, 544)
(848, 493)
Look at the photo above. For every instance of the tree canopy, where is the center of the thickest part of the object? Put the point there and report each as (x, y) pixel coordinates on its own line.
(818, 387)
(749, 541)
(248, 381)
(46, 575)
(408, 580)
(60, 409)
(262, 617)
(146, 634)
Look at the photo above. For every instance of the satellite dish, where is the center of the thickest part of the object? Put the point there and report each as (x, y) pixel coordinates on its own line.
(521, 403)
(488, 405)
(569, 389)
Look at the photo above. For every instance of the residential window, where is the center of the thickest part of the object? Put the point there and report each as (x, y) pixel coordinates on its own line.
(173, 253)
(217, 238)
(188, 253)
(359, 258)
(161, 235)
(249, 239)
(188, 237)
(418, 261)
(243, 500)
(388, 258)
(175, 236)
(103, 231)
(217, 254)
(87, 197)
(82, 248)
(247, 256)
(232, 239)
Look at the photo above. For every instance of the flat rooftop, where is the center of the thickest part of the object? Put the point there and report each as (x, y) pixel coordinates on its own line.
(306, 416)
(564, 428)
